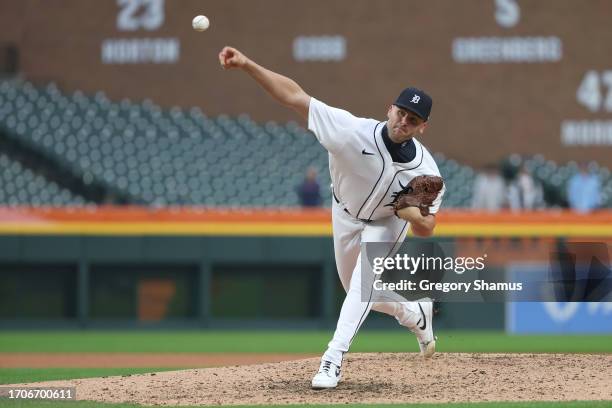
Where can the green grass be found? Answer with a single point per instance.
(26, 375)
(289, 342)
(86, 404)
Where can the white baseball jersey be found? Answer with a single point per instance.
(364, 177)
(364, 181)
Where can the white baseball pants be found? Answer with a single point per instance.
(349, 233)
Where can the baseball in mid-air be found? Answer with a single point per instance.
(200, 23)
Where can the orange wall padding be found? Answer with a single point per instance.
(281, 221)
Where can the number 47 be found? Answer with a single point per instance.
(590, 92)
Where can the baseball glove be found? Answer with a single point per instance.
(420, 192)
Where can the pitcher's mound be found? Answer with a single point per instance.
(369, 378)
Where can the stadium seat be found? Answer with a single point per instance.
(182, 157)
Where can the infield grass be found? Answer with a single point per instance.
(192, 341)
(27, 375)
(87, 404)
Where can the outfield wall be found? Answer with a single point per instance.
(134, 267)
(511, 76)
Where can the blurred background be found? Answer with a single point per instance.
(141, 186)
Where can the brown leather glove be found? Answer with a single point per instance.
(420, 192)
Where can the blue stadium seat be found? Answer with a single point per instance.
(183, 157)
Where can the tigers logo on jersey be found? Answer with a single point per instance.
(395, 195)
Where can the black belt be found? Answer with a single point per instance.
(347, 211)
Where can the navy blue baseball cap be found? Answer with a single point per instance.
(415, 100)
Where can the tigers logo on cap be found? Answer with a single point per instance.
(416, 101)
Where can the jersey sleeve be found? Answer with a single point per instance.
(333, 127)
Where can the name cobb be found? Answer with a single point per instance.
(446, 287)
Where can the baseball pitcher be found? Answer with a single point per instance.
(384, 181)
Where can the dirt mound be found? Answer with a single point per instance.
(369, 378)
